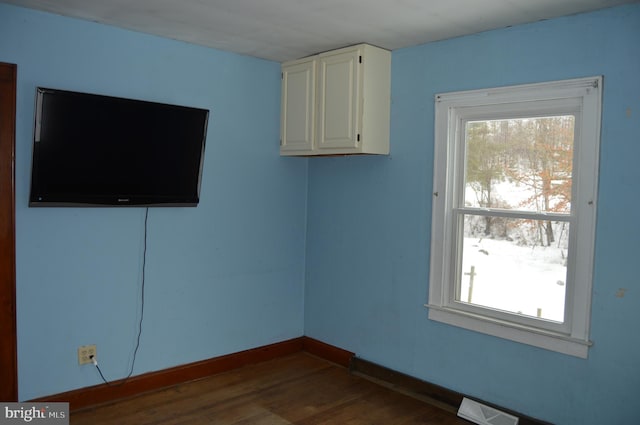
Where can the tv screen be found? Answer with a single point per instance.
(94, 150)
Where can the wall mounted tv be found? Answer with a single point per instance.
(94, 150)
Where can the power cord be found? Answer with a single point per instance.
(95, 363)
(142, 287)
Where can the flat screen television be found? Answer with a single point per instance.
(95, 150)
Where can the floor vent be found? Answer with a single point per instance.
(484, 415)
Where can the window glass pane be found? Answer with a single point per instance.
(521, 267)
(523, 164)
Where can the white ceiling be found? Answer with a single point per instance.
(280, 30)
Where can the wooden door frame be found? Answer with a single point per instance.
(8, 332)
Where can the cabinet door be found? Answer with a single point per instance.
(297, 126)
(339, 100)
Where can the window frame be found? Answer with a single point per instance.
(582, 97)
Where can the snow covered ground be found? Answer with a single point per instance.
(517, 279)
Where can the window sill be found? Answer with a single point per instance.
(511, 331)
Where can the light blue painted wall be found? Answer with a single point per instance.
(369, 226)
(223, 277)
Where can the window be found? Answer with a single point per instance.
(514, 206)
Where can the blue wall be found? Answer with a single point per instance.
(369, 227)
(223, 277)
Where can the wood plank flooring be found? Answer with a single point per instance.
(297, 389)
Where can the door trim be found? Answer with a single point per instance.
(8, 333)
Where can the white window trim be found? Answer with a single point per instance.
(584, 95)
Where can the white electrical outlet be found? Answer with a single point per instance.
(85, 353)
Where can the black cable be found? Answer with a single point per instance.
(142, 286)
(144, 268)
(101, 375)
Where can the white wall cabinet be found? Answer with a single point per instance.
(337, 103)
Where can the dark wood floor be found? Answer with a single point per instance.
(297, 389)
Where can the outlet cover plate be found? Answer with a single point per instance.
(85, 352)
